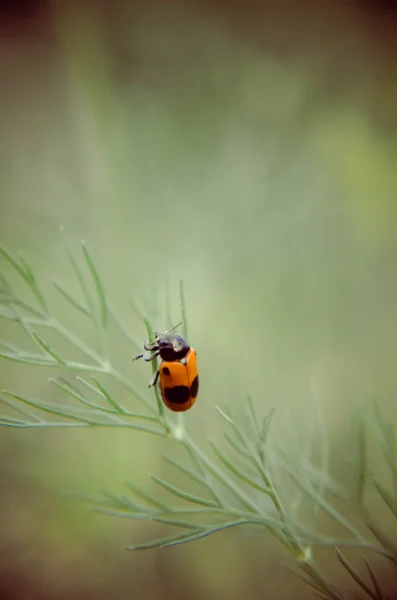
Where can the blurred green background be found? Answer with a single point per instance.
(250, 150)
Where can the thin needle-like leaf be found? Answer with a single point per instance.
(46, 361)
(111, 505)
(355, 575)
(48, 408)
(121, 514)
(387, 497)
(182, 494)
(25, 271)
(47, 348)
(10, 347)
(78, 423)
(86, 498)
(388, 442)
(91, 387)
(205, 533)
(384, 540)
(184, 537)
(315, 476)
(31, 280)
(213, 468)
(375, 583)
(65, 386)
(11, 422)
(147, 497)
(237, 471)
(109, 500)
(126, 413)
(70, 299)
(14, 263)
(159, 543)
(124, 503)
(240, 436)
(29, 358)
(11, 300)
(83, 285)
(23, 411)
(98, 285)
(190, 473)
(327, 508)
(178, 523)
(115, 501)
(314, 574)
(112, 401)
(46, 424)
(6, 286)
(254, 417)
(133, 390)
(5, 313)
(22, 322)
(237, 447)
(307, 581)
(361, 460)
(214, 490)
(266, 425)
(160, 405)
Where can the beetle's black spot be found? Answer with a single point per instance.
(194, 387)
(166, 371)
(180, 394)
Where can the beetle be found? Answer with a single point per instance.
(177, 372)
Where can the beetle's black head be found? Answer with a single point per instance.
(172, 347)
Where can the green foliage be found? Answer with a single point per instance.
(239, 479)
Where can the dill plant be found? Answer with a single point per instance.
(237, 478)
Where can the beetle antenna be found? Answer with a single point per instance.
(157, 334)
(175, 327)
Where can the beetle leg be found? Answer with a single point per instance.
(145, 357)
(152, 357)
(154, 379)
(151, 346)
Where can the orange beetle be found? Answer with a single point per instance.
(178, 374)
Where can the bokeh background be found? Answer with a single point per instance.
(248, 148)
